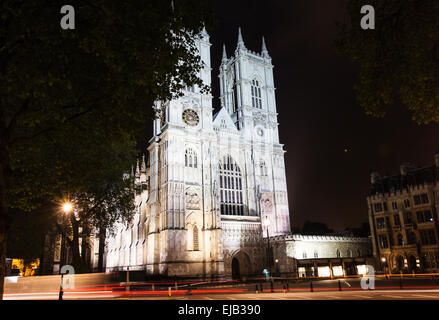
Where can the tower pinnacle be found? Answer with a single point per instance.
(241, 44)
(224, 53)
(264, 48)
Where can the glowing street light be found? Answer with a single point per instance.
(67, 207)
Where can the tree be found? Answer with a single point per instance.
(66, 94)
(26, 234)
(399, 60)
(315, 228)
(362, 231)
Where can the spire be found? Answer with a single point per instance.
(137, 169)
(204, 33)
(143, 168)
(224, 53)
(241, 44)
(264, 49)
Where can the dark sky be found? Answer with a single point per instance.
(318, 114)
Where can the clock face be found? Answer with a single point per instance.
(190, 117)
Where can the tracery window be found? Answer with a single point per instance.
(230, 187)
(256, 94)
(190, 158)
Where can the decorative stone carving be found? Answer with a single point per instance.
(192, 200)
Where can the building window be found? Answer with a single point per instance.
(394, 205)
(381, 223)
(304, 255)
(234, 104)
(190, 89)
(383, 241)
(420, 199)
(316, 255)
(230, 188)
(424, 198)
(349, 253)
(427, 216)
(424, 216)
(338, 253)
(396, 219)
(263, 169)
(420, 216)
(256, 95)
(407, 203)
(408, 218)
(378, 207)
(195, 238)
(400, 240)
(190, 158)
(428, 237)
(411, 237)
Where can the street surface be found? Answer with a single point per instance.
(102, 287)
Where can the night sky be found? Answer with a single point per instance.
(318, 113)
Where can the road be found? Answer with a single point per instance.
(343, 295)
(88, 288)
(339, 295)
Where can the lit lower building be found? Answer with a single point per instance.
(320, 256)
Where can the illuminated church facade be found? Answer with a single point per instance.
(213, 183)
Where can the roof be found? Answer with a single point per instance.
(413, 177)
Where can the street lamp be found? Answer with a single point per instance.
(267, 224)
(384, 264)
(67, 207)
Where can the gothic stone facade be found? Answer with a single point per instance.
(209, 179)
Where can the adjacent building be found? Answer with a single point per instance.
(403, 219)
(321, 256)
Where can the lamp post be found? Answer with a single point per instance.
(384, 265)
(267, 224)
(67, 208)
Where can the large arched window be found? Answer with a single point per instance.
(190, 158)
(230, 187)
(256, 94)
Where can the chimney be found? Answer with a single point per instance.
(404, 168)
(374, 177)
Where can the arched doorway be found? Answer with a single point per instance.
(236, 274)
(412, 264)
(400, 263)
(240, 265)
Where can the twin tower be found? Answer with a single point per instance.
(214, 185)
